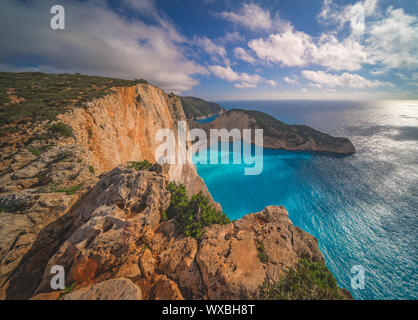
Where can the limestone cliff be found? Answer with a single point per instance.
(43, 173)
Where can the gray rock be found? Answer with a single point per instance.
(113, 289)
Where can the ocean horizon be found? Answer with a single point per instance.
(361, 208)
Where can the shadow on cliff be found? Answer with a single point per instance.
(27, 276)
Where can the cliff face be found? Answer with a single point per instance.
(42, 175)
(278, 135)
(122, 127)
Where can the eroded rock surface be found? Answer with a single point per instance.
(113, 289)
(115, 231)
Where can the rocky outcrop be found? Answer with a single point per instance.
(115, 231)
(278, 135)
(113, 289)
(229, 255)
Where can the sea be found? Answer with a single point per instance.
(362, 208)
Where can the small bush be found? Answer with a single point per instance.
(35, 151)
(140, 165)
(61, 129)
(262, 254)
(192, 214)
(67, 290)
(67, 190)
(91, 169)
(138, 98)
(307, 281)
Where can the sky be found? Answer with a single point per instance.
(224, 50)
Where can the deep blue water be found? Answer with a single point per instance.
(207, 120)
(362, 208)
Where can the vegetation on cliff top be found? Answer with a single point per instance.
(307, 281)
(195, 107)
(35, 96)
(192, 214)
(140, 165)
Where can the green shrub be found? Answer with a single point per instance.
(35, 151)
(262, 254)
(67, 190)
(307, 281)
(91, 169)
(67, 290)
(60, 129)
(138, 98)
(192, 214)
(140, 165)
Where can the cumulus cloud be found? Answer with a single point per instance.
(210, 47)
(96, 41)
(291, 80)
(347, 80)
(290, 48)
(271, 82)
(354, 14)
(242, 80)
(393, 41)
(242, 54)
(250, 16)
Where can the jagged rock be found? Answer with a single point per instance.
(229, 259)
(147, 262)
(166, 289)
(113, 289)
(178, 262)
(108, 225)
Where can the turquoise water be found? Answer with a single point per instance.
(361, 208)
(207, 120)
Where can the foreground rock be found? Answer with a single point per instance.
(115, 231)
(229, 255)
(114, 289)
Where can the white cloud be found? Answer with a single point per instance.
(271, 82)
(250, 16)
(335, 55)
(242, 80)
(210, 47)
(291, 80)
(100, 43)
(355, 14)
(290, 48)
(234, 36)
(245, 85)
(242, 54)
(393, 41)
(347, 80)
(225, 73)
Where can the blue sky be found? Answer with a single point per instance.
(221, 50)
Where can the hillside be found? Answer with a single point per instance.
(38, 96)
(279, 135)
(196, 108)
